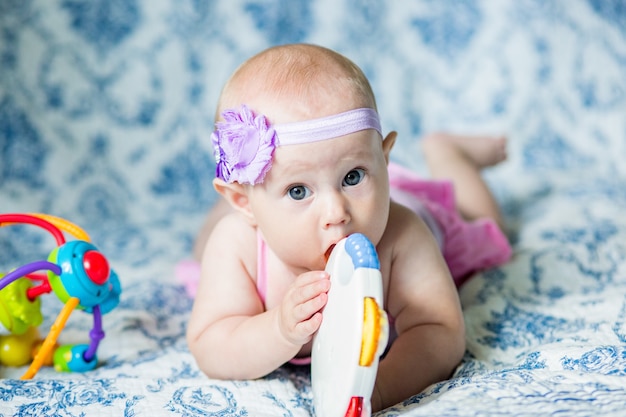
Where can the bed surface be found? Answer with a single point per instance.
(105, 113)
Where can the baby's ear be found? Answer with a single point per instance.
(388, 143)
(236, 195)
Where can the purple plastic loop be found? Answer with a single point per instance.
(24, 270)
(96, 334)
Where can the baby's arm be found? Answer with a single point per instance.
(428, 318)
(229, 333)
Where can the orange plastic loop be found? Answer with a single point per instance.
(50, 342)
(65, 225)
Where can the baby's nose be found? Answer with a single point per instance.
(336, 210)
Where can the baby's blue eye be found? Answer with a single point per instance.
(299, 192)
(353, 177)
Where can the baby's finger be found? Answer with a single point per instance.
(306, 310)
(309, 286)
(307, 328)
(299, 323)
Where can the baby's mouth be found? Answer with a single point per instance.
(329, 251)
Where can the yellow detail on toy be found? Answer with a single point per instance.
(374, 320)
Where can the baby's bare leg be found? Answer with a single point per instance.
(219, 210)
(461, 160)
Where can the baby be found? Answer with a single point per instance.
(301, 164)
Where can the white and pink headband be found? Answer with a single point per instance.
(244, 142)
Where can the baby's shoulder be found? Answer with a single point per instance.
(404, 221)
(405, 231)
(408, 250)
(235, 232)
(234, 222)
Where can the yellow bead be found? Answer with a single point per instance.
(15, 350)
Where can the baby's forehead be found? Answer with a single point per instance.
(362, 145)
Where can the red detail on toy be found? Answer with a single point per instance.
(96, 267)
(355, 408)
(44, 288)
(34, 220)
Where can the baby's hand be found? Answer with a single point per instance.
(300, 315)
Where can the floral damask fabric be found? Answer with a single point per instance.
(106, 113)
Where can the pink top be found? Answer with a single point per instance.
(261, 284)
(261, 266)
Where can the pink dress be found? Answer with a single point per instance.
(467, 247)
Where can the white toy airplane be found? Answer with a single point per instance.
(353, 334)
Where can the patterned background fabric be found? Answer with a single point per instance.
(106, 107)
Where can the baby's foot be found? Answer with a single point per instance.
(482, 151)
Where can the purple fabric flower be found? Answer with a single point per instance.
(244, 144)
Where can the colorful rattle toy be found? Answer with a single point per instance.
(353, 334)
(79, 275)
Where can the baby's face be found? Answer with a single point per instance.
(318, 193)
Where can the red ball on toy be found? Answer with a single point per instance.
(96, 267)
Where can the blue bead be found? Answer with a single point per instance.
(71, 358)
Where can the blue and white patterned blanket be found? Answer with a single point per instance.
(105, 112)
